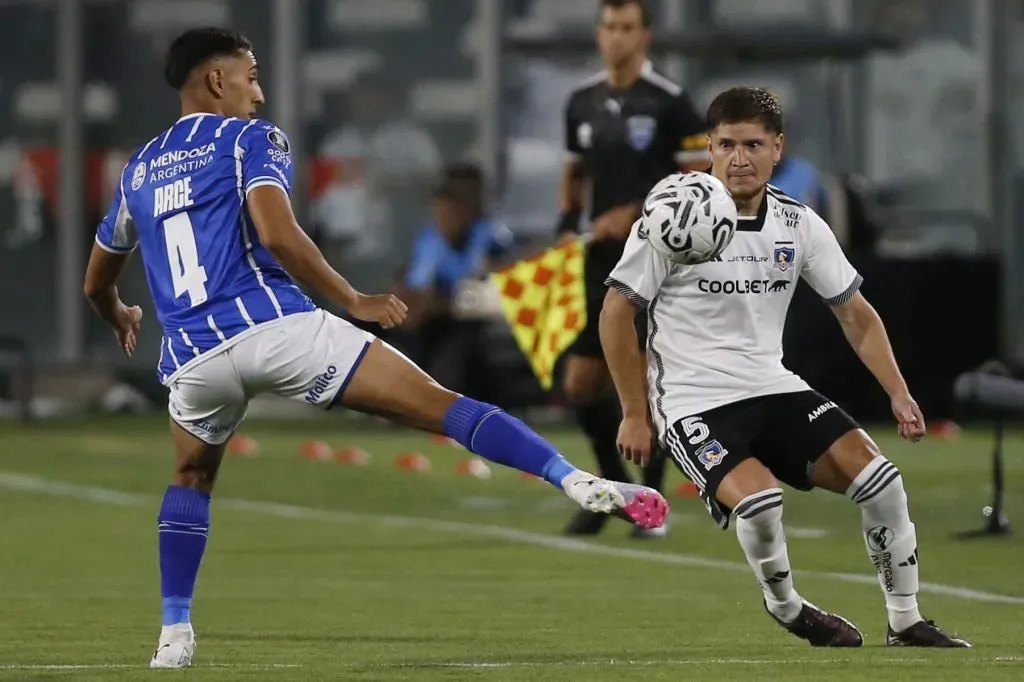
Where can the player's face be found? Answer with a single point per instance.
(743, 156)
(621, 35)
(235, 79)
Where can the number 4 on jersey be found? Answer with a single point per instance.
(187, 275)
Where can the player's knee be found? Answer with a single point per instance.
(747, 480)
(854, 450)
(844, 462)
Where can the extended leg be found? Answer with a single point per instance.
(387, 383)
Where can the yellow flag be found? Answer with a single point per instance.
(544, 301)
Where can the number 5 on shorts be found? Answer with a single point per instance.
(696, 431)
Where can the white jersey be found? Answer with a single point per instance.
(715, 329)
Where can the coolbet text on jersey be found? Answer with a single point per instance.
(182, 199)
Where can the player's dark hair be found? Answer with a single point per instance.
(741, 104)
(645, 12)
(195, 46)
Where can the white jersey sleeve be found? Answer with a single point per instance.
(641, 270)
(826, 267)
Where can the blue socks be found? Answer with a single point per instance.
(490, 432)
(183, 526)
(485, 430)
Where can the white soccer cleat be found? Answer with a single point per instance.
(176, 647)
(635, 503)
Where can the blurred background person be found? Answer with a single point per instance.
(799, 179)
(626, 128)
(460, 242)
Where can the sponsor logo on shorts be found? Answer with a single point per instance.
(211, 428)
(711, 454)
(323, 382)
(820, 410)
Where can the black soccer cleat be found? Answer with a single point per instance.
(925, 633)
(821, 628)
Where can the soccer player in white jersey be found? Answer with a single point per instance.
(208, 202)
(735, 420)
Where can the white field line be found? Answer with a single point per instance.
(20, 482)
(140, 666)
(483, 665)
(623, 662)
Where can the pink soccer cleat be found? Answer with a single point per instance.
(635, 503)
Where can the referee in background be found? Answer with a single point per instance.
(626, 128)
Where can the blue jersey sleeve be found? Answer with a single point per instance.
(266, 157)
(116, 233)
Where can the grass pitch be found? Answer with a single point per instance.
(319, 571)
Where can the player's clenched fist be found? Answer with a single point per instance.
(909, 417)
(635, 439)
(387, 310)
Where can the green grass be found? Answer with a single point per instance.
(354, 581)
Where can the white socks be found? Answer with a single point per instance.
(759, 530)
(890, 538)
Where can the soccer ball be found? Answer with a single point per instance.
(689, 218)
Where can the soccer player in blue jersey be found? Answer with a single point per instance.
(208, 202)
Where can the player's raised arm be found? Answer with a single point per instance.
(266, 171)
(631, 286)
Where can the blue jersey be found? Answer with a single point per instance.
(182, 199)
(437, 264)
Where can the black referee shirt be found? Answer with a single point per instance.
(629, 139)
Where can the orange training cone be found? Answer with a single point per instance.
(316, 451)
(687, 489)
(413, 461)
(244, 446)
(354, 455)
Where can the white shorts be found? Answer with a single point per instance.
(307, 357)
